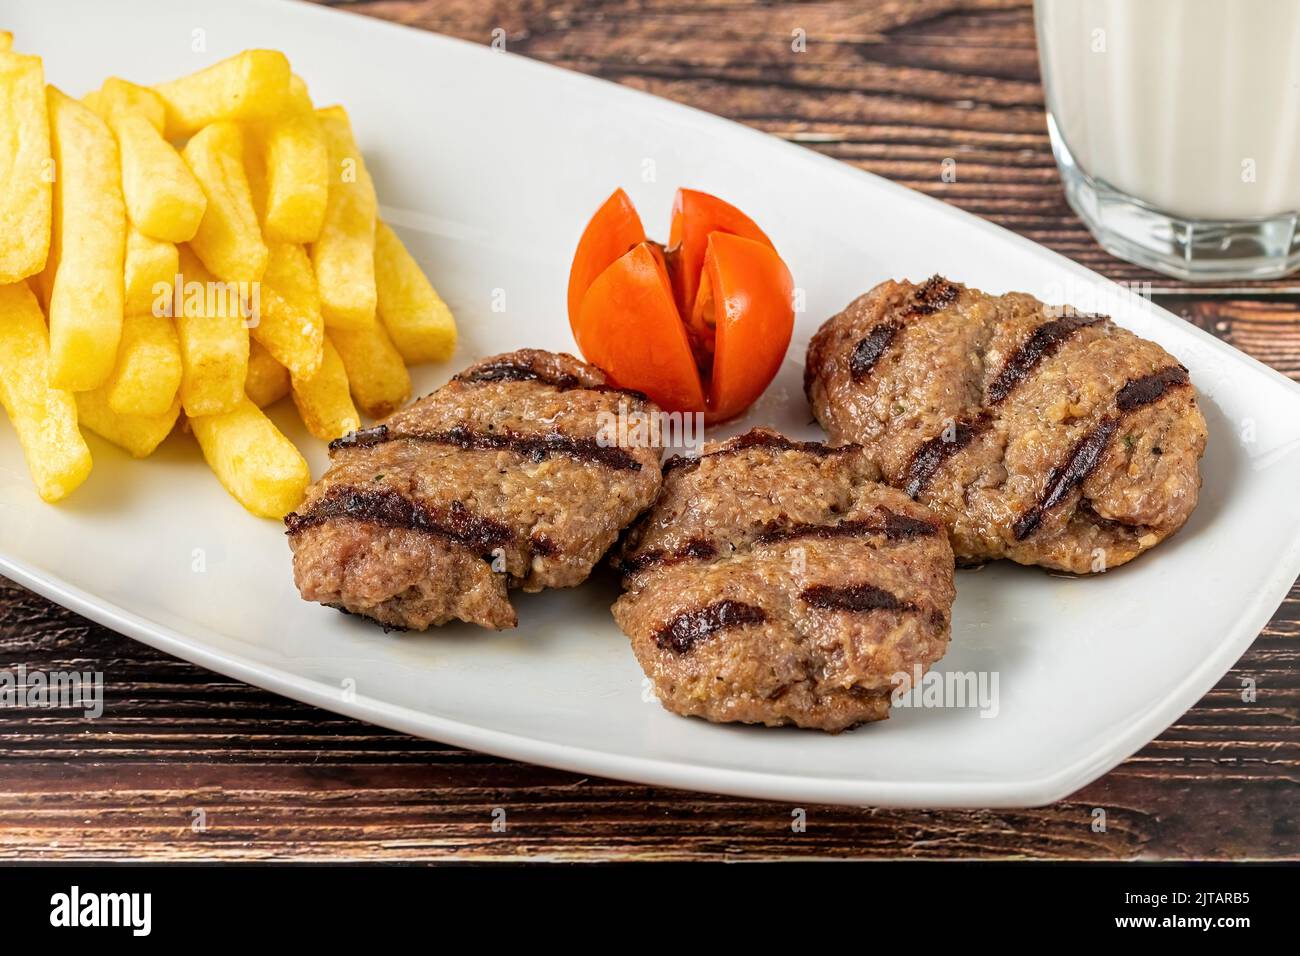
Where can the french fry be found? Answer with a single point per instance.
(267, 381)
(25, 168)
(344, 255)
(88, 247)
(44, 417)
(250, 86)
(376, 374)
(147, 377)
(150, 272)
(229, 238)
(323, 400)
(415, 317)
(6, 40)
(289, 322)
(163, 199)
(297, 176)
(119, 95)
(258, 466)
(213, 339)
(138, 434)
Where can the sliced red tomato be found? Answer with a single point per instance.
(696, 216)
(701, 326)
(612, 231)
(630, 328)
(750, 301)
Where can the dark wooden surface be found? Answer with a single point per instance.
(895, 87)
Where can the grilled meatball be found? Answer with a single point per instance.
(777, 582)
(1044, 436)
(507, 476)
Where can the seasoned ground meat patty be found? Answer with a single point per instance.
(777, 582)
(1044, 436)
(504, 477)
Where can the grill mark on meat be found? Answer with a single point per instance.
(928, 458)
(1042, 343)
(894, 527)
(516, 371)
(870, 348)
(543, 546)
(392, 510)
(687, 629)
(1068, 475)
(361, 438)
(533, 447)
(1150, 388)
(933, 295)
(1088, 450)
(366, 617)
(696, 548)
(858, 598)
(759, 439)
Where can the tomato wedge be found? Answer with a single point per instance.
(632, 331)
(696, 216)
(750, 292)
(612, 231)
(702, 326)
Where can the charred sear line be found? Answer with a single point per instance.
(392, 510)
(759, 439)
(1068, 475)
(533, 447)
(374, 620)
(927, 459)
(1087, 452)
(892, 526)
(1150, 388)
(869, 349)
(687, 629)
(1043, 342)
(542, 546)
(853, 597)
(361, 438)
(934, 295)
(695, 549)
(509, 371)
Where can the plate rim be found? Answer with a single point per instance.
(1014, 791)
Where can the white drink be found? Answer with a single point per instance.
(1190, 106)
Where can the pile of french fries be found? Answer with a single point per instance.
(194, 251)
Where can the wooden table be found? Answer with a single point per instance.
(895, 87)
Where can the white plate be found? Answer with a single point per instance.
(491, 164)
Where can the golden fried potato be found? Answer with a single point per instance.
(417, 320)
(344, 255)
(138, 434)
(214, 340)
(163, 199)
(229, 239)
(151, 267)
(250, 86)
(376, 373)
(44, 417)
(118, 95)
(267, 381)
(147, 377)
(88, 247)
(289, 323)
(258, 466)
(26, 170)
(297, 178)
(6, 40)
(324, 401)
